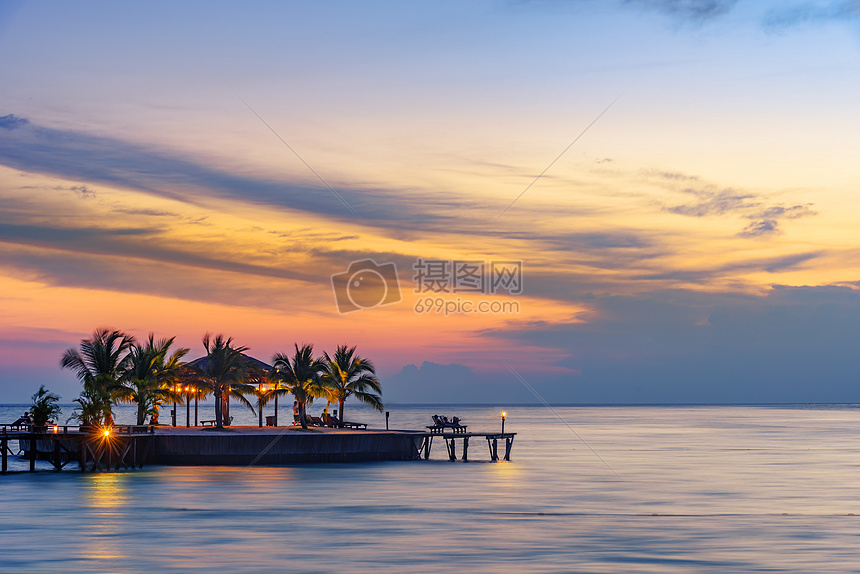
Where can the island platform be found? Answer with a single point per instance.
(127, 447)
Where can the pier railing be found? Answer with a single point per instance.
(10, 429)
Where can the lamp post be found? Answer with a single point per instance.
(187, 407)
(504, 415)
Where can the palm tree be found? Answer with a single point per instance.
(223, 371)
(346, 374)
(149, 376)
(99, 365)
(88, 412)
(44, 407)
(300, 376)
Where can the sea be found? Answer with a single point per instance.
(591, 489)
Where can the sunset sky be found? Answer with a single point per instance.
(698, 243)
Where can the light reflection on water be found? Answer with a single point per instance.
(701, 489)
(104, 514)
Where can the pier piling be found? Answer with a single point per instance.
(451, 439)
(61, 445)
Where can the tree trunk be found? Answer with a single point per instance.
(276, 410)
(219, 421)
(302, 416)
(340, 424)
(141, 413)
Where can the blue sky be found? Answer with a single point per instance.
(697, 243)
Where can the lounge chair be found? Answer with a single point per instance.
(335, 422)
(329, 420)
(22, 421)
(350, 425)
(444, 422)
(441, 424)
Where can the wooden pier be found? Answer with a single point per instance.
(95, 449)
(453, 435)
(129, 447)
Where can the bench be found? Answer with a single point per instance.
(208, 423)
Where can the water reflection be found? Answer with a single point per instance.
(105, 515)
(106, 492)
(704, 489)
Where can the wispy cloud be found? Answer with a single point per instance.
(570, 256)
(715, 202)
(11, 122)
(710, 274)
(145, 211)
(144, 260)
(793, 15)
(79, 156)
(711, 201)
(694, 10)
(84, 192)
(760, 228)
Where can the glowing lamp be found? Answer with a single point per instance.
(107, 433)
(56, 429)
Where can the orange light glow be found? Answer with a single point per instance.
(107, 433)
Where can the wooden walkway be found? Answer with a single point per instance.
(125, 446)
(452, 436)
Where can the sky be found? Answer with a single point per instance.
(672, 184)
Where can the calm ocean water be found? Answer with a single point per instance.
(682, 489)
